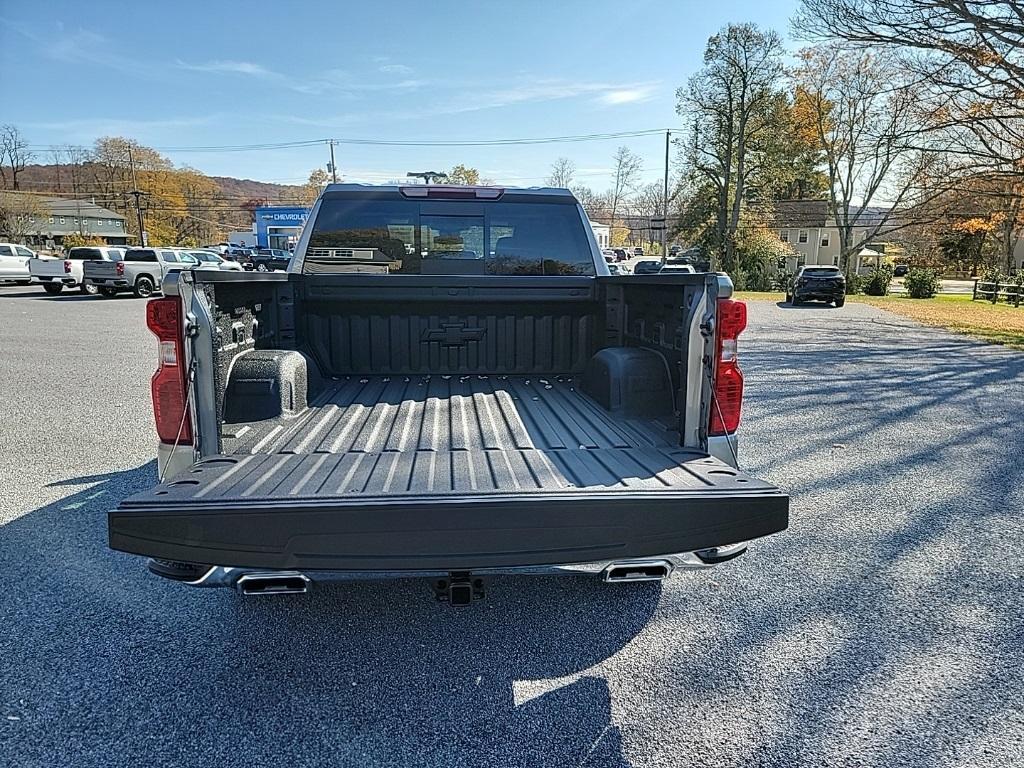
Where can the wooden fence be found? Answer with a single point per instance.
(993, 291)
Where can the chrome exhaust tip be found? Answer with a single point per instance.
(282, 583)
(638, 570)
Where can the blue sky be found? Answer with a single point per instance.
(188, 74)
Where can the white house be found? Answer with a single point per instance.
(603, 234)
(809, 229)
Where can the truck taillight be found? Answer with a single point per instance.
(170, 382)
(725, 411)
(67, 267)
(119, 267)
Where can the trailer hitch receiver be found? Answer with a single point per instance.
(460, 589)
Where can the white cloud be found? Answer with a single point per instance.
(632, 95)
(552, 90)
(233, 67)
(395, 69)
(113, 126)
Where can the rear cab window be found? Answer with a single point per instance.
(389, 234)
(85, 254)
(140, 254)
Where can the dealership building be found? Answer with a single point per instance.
(279, 226)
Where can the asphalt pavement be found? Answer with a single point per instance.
(884, 628)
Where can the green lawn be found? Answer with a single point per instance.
(995, 323)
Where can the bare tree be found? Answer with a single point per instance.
(648, 204)
(21, 215)
(728, 103)
(627, 168)
(867, 124)
(562, 172)
(76, 158)
(967, 56)
(15, 152)
(595, 204)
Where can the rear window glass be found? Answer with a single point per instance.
(76, 254)
(821, 271)
(140, 254)
(448, 238)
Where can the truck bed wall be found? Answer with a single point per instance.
(392, 324)
(454, 326)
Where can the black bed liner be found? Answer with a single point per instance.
(448, 472)
(379, 414)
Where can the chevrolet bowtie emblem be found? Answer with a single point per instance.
(453, 334)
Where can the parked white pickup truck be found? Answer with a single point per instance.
(140, 270)
(57, 274)
(14, 260)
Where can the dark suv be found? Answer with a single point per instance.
(270, 259)
(817, 283)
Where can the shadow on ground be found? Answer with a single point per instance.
(70, 294)
(107, 664)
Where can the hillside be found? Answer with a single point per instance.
(238, 189)
(57, 180)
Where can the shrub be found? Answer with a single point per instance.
(760, 281)
(921, 283)
(854, 284)
(75, 240)
(878, 281)
(992, 275)
(781, 281)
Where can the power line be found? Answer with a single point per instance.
(390, 143)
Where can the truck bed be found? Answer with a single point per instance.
(447, 434)
(447, 472)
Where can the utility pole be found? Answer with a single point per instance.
(137, 194)
(334, 168)
(664, 204)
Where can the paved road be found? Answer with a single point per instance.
(883, 629)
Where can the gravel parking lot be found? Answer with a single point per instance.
(882, 629)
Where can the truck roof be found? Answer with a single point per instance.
(449, 191)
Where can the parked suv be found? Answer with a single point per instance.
(270, 259)
(649, 267)
(817, 283)
(142, 270)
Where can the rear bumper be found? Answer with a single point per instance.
(62, 279)
(217, 576)
(420, 534)
(108, 282)
(820, 295)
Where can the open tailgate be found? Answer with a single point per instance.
(446, 510)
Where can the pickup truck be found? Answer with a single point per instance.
(490, 400)
(14, 261)
(57, 274)
(141, 271)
